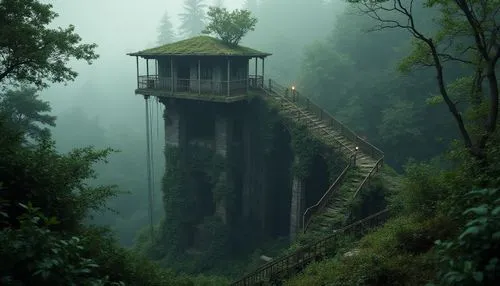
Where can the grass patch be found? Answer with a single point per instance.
(201, 46)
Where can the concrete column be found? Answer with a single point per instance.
(221, 138)
(297, 207)
(172, 125)
(220, 206)
(248, 175)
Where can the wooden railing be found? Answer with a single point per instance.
(256, 81)
(202, 86)
(294, 262)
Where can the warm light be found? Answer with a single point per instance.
(293, 87)
(357, 148)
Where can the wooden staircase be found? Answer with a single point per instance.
(322, 218)
(363, 158)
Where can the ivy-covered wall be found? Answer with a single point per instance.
(222, 205)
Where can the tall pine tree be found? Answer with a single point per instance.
(165, 30)
(192, 20)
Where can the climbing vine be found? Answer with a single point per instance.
(196, 172)
(185, 212)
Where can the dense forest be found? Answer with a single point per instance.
(421, 84)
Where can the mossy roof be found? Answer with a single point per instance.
(200, 46)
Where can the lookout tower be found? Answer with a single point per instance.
(205, 86)
(202, 68)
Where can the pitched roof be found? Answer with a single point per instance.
(200, 46)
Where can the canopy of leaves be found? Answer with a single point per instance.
(33, 53)
(25, 112)
(231, 27)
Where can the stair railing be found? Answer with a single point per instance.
(282, 92)
(323, 201)
(326, 117)
(295, 98)
(316, 251)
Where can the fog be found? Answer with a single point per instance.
(322, 49)
(319, 46)
(100, 108)
(106, 88)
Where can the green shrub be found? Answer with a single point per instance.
(472, 258)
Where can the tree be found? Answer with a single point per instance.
(192, 20)
(165, 30)
(468, 34)
(31, 52)
(231, 27)
(24, 111)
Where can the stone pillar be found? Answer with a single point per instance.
(221, 148)
(221, 130)
(248, 175)
(172, 124)
(297, 207)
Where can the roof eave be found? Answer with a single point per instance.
(139, 54)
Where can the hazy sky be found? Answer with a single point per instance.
(117, 27)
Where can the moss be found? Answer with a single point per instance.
(389, 256)
(201, 46)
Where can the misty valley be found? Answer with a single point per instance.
(249, 142)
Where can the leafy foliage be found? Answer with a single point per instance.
(34, 255)
(31, 52)
(466, 34)
(231, 27)
(472, 257)
(24, 111)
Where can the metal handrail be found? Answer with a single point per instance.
(344, 130)
(375, 168)
(305, 115)
(306, 217)
(304, 254)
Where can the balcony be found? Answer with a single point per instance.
(208, 90)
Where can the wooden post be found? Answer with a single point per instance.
(247, 77)
(147, 73)
(137, 62)
(199, 77)
(156, 68)
(263, 71)
(172, 74)
(256, 81)
(228, 76)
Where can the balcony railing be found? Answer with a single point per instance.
(222, 88)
